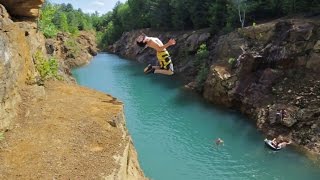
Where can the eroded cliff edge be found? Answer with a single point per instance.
(258, 69)
(58, 129)
(68, 132)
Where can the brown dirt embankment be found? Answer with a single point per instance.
(68, 132)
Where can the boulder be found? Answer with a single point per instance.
(4, 17)
(314, 62)
(218, 85)
(259, 33)
(301, 31)
(23, 8)
(228, 46)
(195, 40)
(288, 121)
(316, 47)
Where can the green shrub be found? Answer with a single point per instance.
(47, 68)
(200, 63)
(232, 62)
(201, 56)
(72, 45)
(50, 31)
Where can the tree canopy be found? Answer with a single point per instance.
(219, 15)
(191, 14)
(63, 17)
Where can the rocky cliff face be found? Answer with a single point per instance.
(23, 8)
(275, 68)
(15, 66)
(258, 69)
(73, 51)
(58, 130)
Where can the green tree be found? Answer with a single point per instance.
(160, 14)
(123, 16)
(47, 15)
(181, 18)
(199, 12)
(217, 15)
(169, 15)
(66, 7)
(96, 21)
(73, 22)
(139, 13)
(61, 22)
(108, 37)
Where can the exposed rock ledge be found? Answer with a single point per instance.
(23, 8)
(68, 132)
(73, 51)
(279, 69)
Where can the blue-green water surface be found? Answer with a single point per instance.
(174, 130)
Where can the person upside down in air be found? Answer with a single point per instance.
(164, 59)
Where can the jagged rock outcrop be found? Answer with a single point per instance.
(275, 68)
(23, 8)
(73, 51)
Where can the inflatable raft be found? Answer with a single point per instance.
(270, 145)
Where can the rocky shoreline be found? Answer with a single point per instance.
(259, 70)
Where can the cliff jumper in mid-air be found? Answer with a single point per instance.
(164, 59)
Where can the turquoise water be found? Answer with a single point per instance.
(174, 130)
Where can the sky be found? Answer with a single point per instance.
(102, 6)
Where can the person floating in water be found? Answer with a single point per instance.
(274, 142)
(165, 63)
(284, 144)
(219, 141)
(280, 143)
